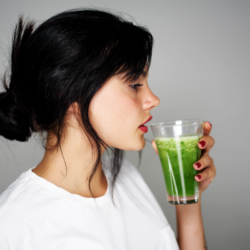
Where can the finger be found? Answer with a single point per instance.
(204, 162)
(207, 127)
(207, 174)
(154, 146)
(206, 143)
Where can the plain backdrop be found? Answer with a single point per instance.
(200, 69)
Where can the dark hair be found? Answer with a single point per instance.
(67, 59)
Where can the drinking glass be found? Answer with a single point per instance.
(177, 145)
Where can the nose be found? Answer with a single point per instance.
(152, 101)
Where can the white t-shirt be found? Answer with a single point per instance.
(35, 214)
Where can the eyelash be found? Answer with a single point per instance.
(135, 86)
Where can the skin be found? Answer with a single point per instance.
(115, 112)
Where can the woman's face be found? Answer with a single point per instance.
(117, 110)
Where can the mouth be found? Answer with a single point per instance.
(150, 118)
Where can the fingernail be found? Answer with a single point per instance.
(198, 165)
(202, 143)
(199, 176)
(210, 124)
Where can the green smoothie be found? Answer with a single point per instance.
(177, 156)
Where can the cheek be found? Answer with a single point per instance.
(114, 115)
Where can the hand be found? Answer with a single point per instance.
(207, 168)
(206, 163)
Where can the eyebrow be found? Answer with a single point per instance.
(143, 74)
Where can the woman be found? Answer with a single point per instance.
(80, 81)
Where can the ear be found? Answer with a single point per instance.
(74, 107)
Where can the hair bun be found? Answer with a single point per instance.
(13, 125)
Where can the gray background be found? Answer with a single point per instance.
(200, 69)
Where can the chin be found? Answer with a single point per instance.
(139, 145)
(136, 144)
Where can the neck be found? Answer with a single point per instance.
(74, 175)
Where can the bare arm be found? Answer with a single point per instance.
(190, 227)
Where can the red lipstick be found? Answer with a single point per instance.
(145, 128)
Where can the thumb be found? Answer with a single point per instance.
(154, 146)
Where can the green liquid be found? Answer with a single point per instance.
(177, 156)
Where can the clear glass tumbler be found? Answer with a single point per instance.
(177, 145)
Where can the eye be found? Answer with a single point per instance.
(135, 86)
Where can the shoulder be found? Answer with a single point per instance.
(12, 193)
(14, 203)
(13, 196)
(20, 200)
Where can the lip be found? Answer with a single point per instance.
(150, 118)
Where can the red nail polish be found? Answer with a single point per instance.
(202, 143)
(198, 165)
(199, 176)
